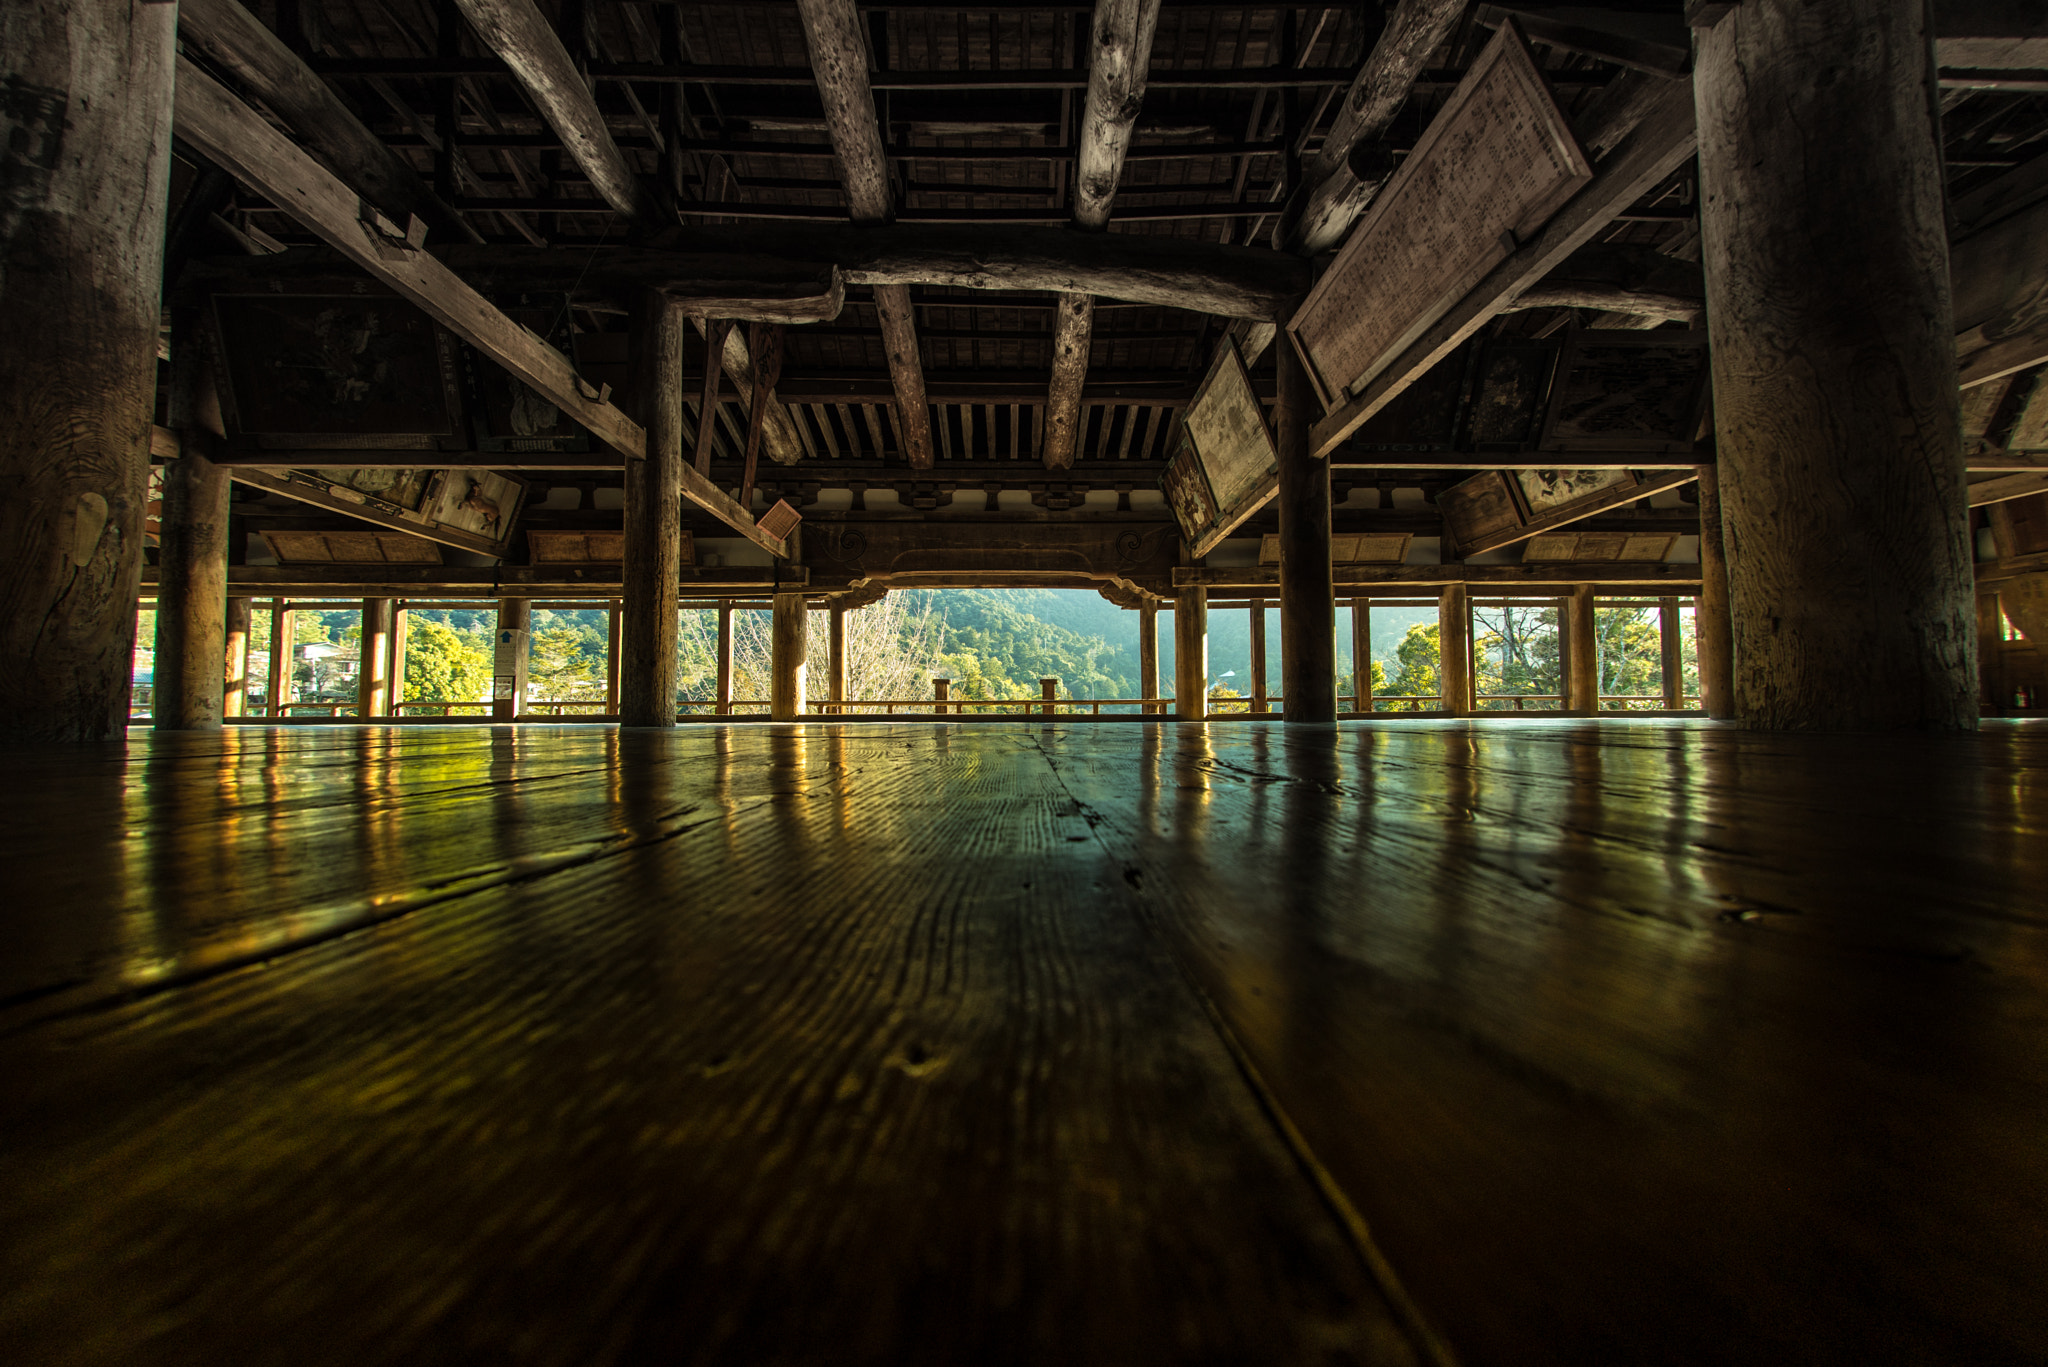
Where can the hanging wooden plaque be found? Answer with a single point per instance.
(1495, 164)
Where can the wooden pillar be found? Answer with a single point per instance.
(1308, 595)
(235, 675)
(1260, 704)
(1833, 352)
(192, 559)
(940, 688)
(81, 261)
(724, 657)
(836, 679)
(653, 567)
(280, 658)
(611, 660)
(508, 668)
(788, 649)
(1993, 698)
(1454, 654)
(1148, 656)
(1582, 645)
(398, 631)
(373, 680)
(1191, 653)
(1049, 691)
(1713, 632)
(1670, 646)
(1361, 654)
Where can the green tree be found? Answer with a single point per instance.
(444, 665)
(1421, 667)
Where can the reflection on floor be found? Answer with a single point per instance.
(1511, 1042)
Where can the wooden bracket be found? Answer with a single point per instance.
(764, 342)
(392, 242)
(715, 331)
(1707, 13)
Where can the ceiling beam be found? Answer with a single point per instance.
(238, 42)
(839, 58)
(1336, 191)
(235, 138)
(1120, 56)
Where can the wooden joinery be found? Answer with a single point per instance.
(1454, 655)
(1191, 653)
(237, 42)
(764, 341)
(1834, 373)
(832, 31)
(1340, 183)
(88, 108)
(650, 572)
(788, 655)
(1120, 53)
(192, 556)
(715, 331)
(1308, 600)
(519, 33)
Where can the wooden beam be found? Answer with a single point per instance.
(1336, 193)
(518, 32)
(1999, 283)
(235, 40)
(1120, 55)
(226, 130)
(1580, 511)
(832, 31)
(1542, 577)
(1659, 144)
(2007, 488)
(1308, 627)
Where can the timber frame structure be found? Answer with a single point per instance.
(958, 273)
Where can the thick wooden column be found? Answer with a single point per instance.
(1454, 653)
(1992, 697)
(1361, 654)
(235, 675)
(399, 621)
(1308, 595)
(515, 615)
(1671, 665)
(279, 680)
(1260, 704)
(836, 678)
(724, 706)
(654, 522)
(373, 678)
(1191, 653)
(1582, 653)
(1713, 632)
(1834, 367)
(192, 556)
(88, 114)
(1148, 656)
(788, 651)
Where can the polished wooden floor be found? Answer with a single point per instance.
(1535, 1042)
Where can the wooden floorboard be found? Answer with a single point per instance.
(1617, 1042)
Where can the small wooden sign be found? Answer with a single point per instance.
(1350, 548)
(1227, 464)
(1478, 508)
(1634, 547)
(1628, 391)
(1495, 164)
(351, 548)
(1186, 487)
(589, 548)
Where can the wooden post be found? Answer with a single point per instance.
(1148, 657)
(280, 658)
(1259, 700)
(1713, 632)
(1993, 698)
(515, 630)
(836, 678)
(1834, 367)
(235, 677)
(373, 683)
(192, 562)
(788, 649)
(86, 165)
(1361, 654)
(1582, 645)
(724, 707)
(1049, 690)
(611, 659)
(1670, 645)
(940, 689)
(1454, 650)
(398, 631)
(1191, 653)
(1308, 595)
(653, 566)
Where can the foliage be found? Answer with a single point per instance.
(445, 665)
(1421, 668)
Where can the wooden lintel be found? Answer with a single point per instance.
(1492, 577)
(2008, 487)
(229, 132)
(1449, 461)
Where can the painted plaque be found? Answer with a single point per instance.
(1425, 415)
(472, 509)
(1187, 492)
(1495, 164)
(1227, 428)
(1549, 491)
(354, 366)
(1479, 507)
(1508, 398)
(510, 414)
(1628, 391)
